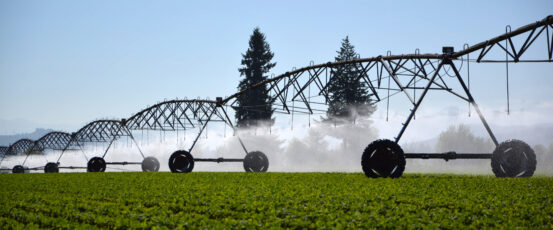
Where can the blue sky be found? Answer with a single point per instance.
(64, 63)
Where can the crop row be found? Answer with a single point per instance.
(250, 200)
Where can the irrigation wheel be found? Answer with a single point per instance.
(18, 169)
(383, 158)
(96, 164)
(51, 167)
(181, 161)
(513, 158)
(256, 161)
(150, 164)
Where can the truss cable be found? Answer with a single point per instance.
(466, 46)
(507, 31)
(309, 101)
(417, 51)
(183, 137)
(388, 53)
(293, 109)
(326, 79)
(388, 100)
(414, 96)
(84, 154)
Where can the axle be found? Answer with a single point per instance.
(219, 160)
(449, 155)
(71, 167)
(123, 163)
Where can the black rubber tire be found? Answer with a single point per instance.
(96, 164)
(181, 161)
(51, 167)
(513, 158)
(383, 158)
(150, 164)
(256, 161)
(18, 169)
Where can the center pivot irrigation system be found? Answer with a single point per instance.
(291, 93)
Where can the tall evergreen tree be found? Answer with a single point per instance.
(255, 107)
(348, 97)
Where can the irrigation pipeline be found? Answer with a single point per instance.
(175, 115)
(483, 46)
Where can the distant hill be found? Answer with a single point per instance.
(531, 134)
(6, 140)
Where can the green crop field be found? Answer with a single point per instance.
(268, 200)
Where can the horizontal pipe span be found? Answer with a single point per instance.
(25, 169)
(42, 168)
(449, 155)
(218, 160)
(512, 61)
(334, 64)
(35, 168)
(124, 163)
(546, 21)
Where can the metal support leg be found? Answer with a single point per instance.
(27, 156)
(107, 149)
(201, 130)
(135, 143)
(418, 102)
(471, 100)
(229, 122)
(84, 154)
(67, 146)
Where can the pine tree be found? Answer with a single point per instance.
(254, 106)
(348, 97)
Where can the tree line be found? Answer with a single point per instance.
(348, 97)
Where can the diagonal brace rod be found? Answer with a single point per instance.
(234, 130)
(471, 100)
(418, 102)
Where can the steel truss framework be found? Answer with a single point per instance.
(3, 150)
(53, 141)
(291, 93)
(177, 115)
(50, 141)
(18, 148)
(404, 72)
(99, 131)
(528, 33)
